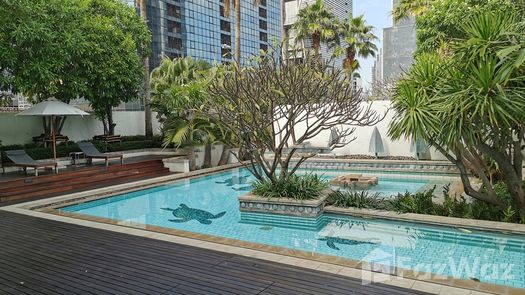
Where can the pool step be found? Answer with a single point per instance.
(87, 178)
(267, 221)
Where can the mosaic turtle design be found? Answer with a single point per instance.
(331, 241)
(185, 214)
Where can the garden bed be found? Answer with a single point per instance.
(286, 206)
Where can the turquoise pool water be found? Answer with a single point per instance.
(209, 205)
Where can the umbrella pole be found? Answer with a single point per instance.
(53, 139)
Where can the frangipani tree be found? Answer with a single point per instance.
(470, 104)
(261, 104)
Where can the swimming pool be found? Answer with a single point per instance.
(209, 205)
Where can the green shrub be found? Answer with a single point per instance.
(299, 187)
(356, 199)
(454, 207)
(420, 202)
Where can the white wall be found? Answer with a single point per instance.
(362, 134)
(21, 129)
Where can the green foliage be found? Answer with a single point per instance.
(453, 207)
(468, 101)
(438, 22)
(357, 40)
(70, 48)
(112, 68)
(356, 199)
(420, 202)
(299, 187)
(316, 21)
(179, 85)
(179, 93)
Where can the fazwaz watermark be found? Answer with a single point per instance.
(381, 266)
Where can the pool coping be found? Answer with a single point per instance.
(399, 277)
(475, 224)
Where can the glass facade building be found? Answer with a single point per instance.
(199, 28)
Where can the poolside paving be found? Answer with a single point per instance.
(41, 256)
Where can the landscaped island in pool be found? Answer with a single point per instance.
(209, 205)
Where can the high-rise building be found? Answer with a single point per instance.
(340, 8)
(399, 45)
(377, 68)
(199, 28)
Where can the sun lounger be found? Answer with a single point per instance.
(21, 159)
(91, 152)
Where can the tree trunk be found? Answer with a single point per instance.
(348, 63)
(191, 158)
(105, 125)
(283, 30)
(146, 99)
(316, 43)
(111, 124)
(224, 155)
(207, 156)
(237, 53)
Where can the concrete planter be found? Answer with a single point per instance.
(285, 206)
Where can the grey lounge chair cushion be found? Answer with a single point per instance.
(91, 151)
(20, 157)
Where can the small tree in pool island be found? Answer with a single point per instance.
(262, 105)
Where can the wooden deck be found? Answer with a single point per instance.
(40, 256)
(13, 190)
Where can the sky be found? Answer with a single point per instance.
(377, 14)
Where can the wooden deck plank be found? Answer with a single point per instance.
(52, 257)
(207, 274)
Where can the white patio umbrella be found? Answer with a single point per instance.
(376, 143)
(52, 108)
(419, 147)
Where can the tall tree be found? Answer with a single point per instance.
(145, 61)
(178, 94)
(71, 48)
(113, 70)
(469, 104)
(260, 104)
(358, 39)
(409, 8)
(315, 21)
(40, 42)
(237, 25)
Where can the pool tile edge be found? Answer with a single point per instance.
(494, 226)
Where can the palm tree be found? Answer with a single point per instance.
(409, 8)
(315, 21)
(237, 21)
(146, 100)
(358, 38)
(188, 132)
